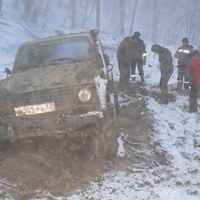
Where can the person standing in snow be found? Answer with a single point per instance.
(194, 80)
(166, 68)
(183, 54)
(124, 61)
(138, 56)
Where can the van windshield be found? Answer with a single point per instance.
(42, 54)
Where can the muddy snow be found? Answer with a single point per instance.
(158, 158)
(62, 166)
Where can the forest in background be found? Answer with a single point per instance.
(160, 21)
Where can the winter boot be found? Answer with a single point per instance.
(179, 85)
(133, 77)
(186, 85)
(142, 79)
(164, 100)
(192, 109)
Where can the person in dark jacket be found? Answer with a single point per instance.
(138, 56)
(166, 68)
(183, 54)
(124, 61)
(194, 81)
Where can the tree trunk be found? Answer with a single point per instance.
(73, 3)
(36, 11)
(59, 3)
(27, 9)
(47, 6)
(133, 16)
(155, 20)
(188, 18)
(122, 16)
(106, 8)
(92, 9)
(16, 4)
(85, 14)
(98, 13)
(114, 14)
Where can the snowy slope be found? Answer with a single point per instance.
(177, 134)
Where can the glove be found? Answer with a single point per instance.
(176, 55)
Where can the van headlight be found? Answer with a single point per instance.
(85, 94)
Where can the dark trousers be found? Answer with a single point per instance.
(193, 98)
(140, 68)
(163, 85)
(124, 69)
(183, 76)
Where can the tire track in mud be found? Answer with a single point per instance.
(135, 123)
(51, 164)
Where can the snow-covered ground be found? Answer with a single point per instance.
(177, 133)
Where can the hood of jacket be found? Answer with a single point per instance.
(157, 48)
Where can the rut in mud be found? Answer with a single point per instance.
(62, 166)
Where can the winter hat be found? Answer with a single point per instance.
(136, 35)
(185, 39)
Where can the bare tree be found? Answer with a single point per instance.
(133, 17)
(60, 2)
(0, 4)
(188, 18)
(15, 5)
(98, 13)
(47, 6)
(85, 14)
(27, 9)
(122, 16)
(36, 10)
(191, 20)
(73, 21)
(114, 13)
(107, 7)
(91, 11)
(155, 21)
